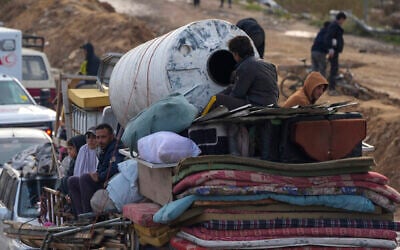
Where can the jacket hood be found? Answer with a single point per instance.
(78, 141)
(89, 49)
(313, 80)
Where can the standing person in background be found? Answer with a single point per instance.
(319, 51)
(229, 3)
(196, 3)
(255, 32)
(335, 43)
(91, 64)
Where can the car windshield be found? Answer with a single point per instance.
(11, 146)
(33, 68)
(12, 93)
(29, 198)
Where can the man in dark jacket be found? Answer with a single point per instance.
(254, 81)
(255, 32)
(81, 189)
(335, 43)
(319, 51)
(91, 64)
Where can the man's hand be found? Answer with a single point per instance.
(331, 52)
(95, 176)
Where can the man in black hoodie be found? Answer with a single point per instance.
(319, 50)
(90, 65)
(335, 43)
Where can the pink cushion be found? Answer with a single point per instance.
(141, 213)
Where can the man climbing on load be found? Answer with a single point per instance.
(253, 81)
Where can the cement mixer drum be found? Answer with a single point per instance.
(192, 60)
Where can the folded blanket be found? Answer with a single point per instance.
(290, 242)
(188, 170)
(315, 166)
(289, 223)
(194, 216)
(259, 178)
(174, 209)
(259, 234)
(326, 188)
(181, 244)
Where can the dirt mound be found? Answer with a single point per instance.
(67, 24)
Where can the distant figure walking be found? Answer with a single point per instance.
(319, 51)
(229, 3)
(255, 32)
(196, 3)
(335, 43)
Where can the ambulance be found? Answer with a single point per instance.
(22, 57)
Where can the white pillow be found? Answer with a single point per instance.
(166, 147)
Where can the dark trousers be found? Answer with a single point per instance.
(334, 61)
(81, 190)
(318, 60)
(222, 3)
(228, 101)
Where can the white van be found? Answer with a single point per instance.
(29, 66)
(37, 77)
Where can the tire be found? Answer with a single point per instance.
(290, 84)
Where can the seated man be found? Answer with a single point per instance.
(122, 189)
(314, 86)
(81, 189)
(254, 80)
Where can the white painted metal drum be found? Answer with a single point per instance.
(193, 60)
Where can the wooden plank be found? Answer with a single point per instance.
(113, 244)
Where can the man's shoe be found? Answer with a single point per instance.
(333, 92)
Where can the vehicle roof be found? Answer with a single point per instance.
(23, 133)
(5, 77)
(28, 52)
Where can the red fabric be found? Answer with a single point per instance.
(259, 234)
(141, 213)
(329, 248)
(257, 177)
(181, 244)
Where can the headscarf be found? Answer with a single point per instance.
(86, 161)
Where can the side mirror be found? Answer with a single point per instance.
(5, 213)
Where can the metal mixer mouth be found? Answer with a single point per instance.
(220, 66)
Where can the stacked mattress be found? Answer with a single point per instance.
(227, 202)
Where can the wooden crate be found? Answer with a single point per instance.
(155, 181)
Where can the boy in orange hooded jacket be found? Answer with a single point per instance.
(314, 86)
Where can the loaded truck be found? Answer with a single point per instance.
(304, 171)
(22, 57)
